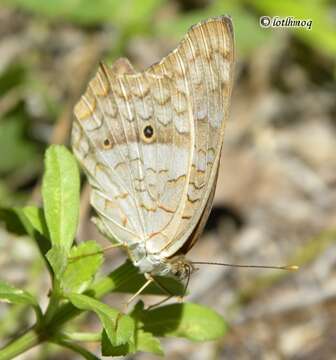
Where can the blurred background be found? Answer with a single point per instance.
(276, 196)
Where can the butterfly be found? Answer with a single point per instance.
(150, 144)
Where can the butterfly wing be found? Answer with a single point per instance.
(201, 73)
(150, 142)
(102, 139)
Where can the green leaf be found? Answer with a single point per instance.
(58, 260)
(37, 220)
(75, 271)
(27, 221)
(83, 263)
(119, 333)
(191, 321)
(108, 349)
(35, 225)
(146, 342)
(13, 295)
(60, 190)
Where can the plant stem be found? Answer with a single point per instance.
(52, 308)
(54, 318)
(25, 342)
(76, 348)
(80, 336)
(58, 314)
(53, 302)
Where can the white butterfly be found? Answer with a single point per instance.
(150, 144)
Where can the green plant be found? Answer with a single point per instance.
(75, 290)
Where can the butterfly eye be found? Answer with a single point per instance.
(178, 274)
(107, 144)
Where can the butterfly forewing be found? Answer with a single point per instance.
(150, 142)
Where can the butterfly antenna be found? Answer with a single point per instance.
(286, 267)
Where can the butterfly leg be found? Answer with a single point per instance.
(170, 295)
(150, 307)
(150, 279)
(143, 287)
(164, 289)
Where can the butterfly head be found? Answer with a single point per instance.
(180, 267)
